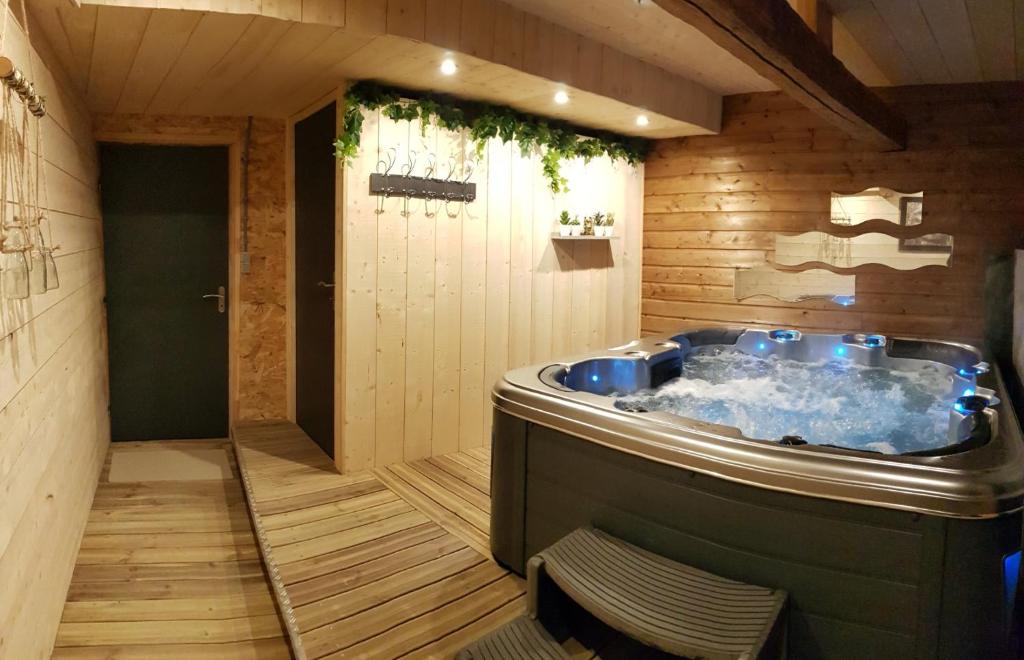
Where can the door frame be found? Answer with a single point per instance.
(336, 96)
(233, 141)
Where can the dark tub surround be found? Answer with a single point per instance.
(903, 554)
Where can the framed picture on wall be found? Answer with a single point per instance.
(911, 210)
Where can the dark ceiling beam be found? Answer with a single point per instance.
(771, 38)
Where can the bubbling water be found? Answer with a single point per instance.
(834, 402)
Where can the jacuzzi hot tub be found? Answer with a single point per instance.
(905, 545)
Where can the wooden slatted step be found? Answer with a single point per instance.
(521, 638)
(670, 606)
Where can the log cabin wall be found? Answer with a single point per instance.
(437, 309)
(713, 204)
(258, 390)
(54, 427)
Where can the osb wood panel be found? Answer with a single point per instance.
(260, 348)
(714, 203)
(437, 309)
(53, 390)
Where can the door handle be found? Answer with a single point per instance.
(325, 285)
(220, 296)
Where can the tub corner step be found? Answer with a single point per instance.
(660, 602)
(524, 637)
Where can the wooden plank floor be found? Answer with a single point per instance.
(378, 565)
(170, 569)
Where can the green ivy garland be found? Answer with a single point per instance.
(554, 140)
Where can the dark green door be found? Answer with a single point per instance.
(165, 237)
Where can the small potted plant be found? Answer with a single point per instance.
(575, 227)
(609, 222)
(564, 224)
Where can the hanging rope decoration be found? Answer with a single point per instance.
(27, 266)
(554, 140)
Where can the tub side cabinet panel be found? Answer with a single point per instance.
(864, 582)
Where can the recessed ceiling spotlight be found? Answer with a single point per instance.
(561, 97)
(448, 67)
(642, 120)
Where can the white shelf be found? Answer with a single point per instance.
(559, 237)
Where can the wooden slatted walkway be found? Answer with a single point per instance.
(170, 569)
(385, 564)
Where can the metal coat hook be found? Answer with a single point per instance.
(448, 210)
(451, 168)
(431, 165)
(410, 164)
(384, 166)
(468, 170)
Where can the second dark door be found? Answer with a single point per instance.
(315, 168)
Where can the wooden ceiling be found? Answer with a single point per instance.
(938, 41)
(646, 31)
(173, 61)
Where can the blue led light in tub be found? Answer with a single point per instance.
(784, 335)
(840, 350)
(761, 346)
(874, 341)
(969, 392)
(1011, 574)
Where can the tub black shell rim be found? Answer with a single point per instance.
(985, 481)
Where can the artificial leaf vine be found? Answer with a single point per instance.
(554, 140)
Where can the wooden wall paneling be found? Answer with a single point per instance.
(245, 55)
(420, 307)
(477, 293)
(366, 16)
(326, 12)
(213, 38)
(340, 282)
(79, 25)
(907, 22)
(442, 22)
(109, 67)
(474, 305)
(993, 28)
(509, 35)
(392, 270)
(165, 32)
(289, 10)
(585, 197)
(951, 28)
(406, 18)
(863, 18)
(632, 258)
(445, 422)
(545, 263)
(694, 239)
(53, 392)
(325, 65)
(561, 296)
(359, 320)
(498, 286)
(477, 32)
(286, 56)
(1018, 28)
(521, 264)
